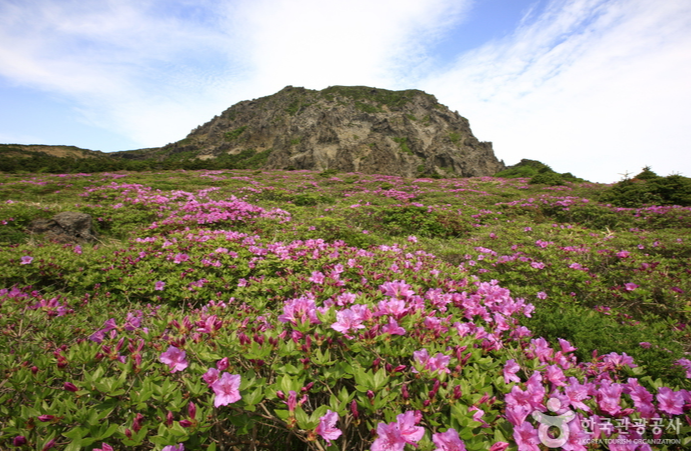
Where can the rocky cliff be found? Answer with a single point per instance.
(358, 129)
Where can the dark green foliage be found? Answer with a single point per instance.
(232, 135)
(309, 199)
(524, 169)
(538, 173)
(403, 143)
(647, 188)
(547, 178)
(589, 330)
(328, 173)
(395, 100)
(412, 220)
(367, 107)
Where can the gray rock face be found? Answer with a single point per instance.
(65, 227)
(350, 129)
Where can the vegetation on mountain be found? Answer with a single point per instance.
(648, 188)
(292, 310)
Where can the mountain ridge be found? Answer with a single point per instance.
(346, 128)
(343, 128)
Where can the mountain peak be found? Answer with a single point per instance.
(347, 128)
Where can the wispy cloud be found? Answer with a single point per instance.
(155, 69)
(591, 86)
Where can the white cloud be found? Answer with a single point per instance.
(589, 86)
(153, 70)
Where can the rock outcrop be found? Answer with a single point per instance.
(66, 227)
(350, 129)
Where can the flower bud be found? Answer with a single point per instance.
(353, 409)
(192, 410)
(69, 386)
(137, 423)
(19, 440)
(222, 364)
(186, 423)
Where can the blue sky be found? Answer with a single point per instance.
(595, 87)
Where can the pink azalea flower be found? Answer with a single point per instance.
(297, 311)
(499, 446)
(541, 295)
(210, 376)
(555, 375)
(317, 277)
(670, 401)
(327, 427)
(396, 289)
(510, 370)
(642, 398)
(178, 447)
(346, 320)
(179, 258)
(393, 328)
(577, 393)
(226, 389)
(174, 358)
(609, 396)
(448, 441)
(388, 438)
(526, 437)
(26, 260)
(406, 424)
(684, 363)
(104, 447)
(159, 286)
(630, 286)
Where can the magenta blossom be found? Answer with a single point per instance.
(347, 320)
(159, 286)
(178, 447)
(406, 424)
(210, 376)
(630, 286)
(526, 437)
(227, 389)
(448, 441)
(393, 328)
(670, 401)
(437, 363)
(686, 364)
(510, 370)
(394, 436)
(298, 311)
(26, 260)
(179, 258)
(327, 427)
(388, 438)
(104, 447)
(174, 358)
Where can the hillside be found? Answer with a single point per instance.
(286, 310)
(349, 129)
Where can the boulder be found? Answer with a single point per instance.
(68, 227)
